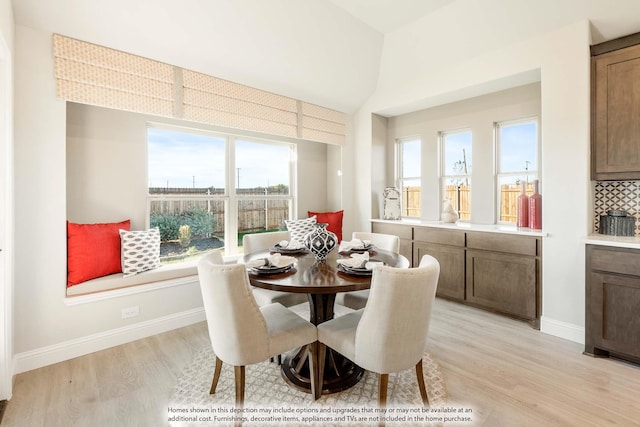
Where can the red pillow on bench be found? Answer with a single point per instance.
(93, 250)
(334, 219)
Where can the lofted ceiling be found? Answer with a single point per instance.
(389, 15)
(327, 52)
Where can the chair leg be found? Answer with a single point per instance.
(421, 385)
(383, 382)
(313, 370)
(216, 375)
(239, 375)
(321, 355)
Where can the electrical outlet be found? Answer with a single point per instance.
(130, 311)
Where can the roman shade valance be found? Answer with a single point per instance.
(208, 99)
(96, 75)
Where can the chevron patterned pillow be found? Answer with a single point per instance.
(140, 251)
(300, 227)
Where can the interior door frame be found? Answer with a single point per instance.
(6, 221)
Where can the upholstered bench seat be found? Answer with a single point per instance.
(117, 281)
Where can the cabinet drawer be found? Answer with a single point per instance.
(402, 231)
(511, 244)
(615, 260)
(442, 237)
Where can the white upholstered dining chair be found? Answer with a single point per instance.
(241, 332)
(390, 334)
(387, 242)
(262, 242)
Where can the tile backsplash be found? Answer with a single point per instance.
(623, 195)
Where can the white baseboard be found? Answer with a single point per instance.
(564, 330)
(49, 355)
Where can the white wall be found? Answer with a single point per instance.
(6, 198)
(561, 60)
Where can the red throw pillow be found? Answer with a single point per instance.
(93, 250)
(334, 219)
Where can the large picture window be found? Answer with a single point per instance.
(207, 190)
(408, 175)
(517, 162)
(263, 190)
(455, 155)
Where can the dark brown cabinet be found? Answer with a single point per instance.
(502, 282)
(612, 323)
(448, 248)
(503, 274)
(494, 271)
(615, 108)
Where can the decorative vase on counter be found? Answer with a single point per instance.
(448, 213)
(535, 208)
(320, 242)
(391, 208)
(523, 206)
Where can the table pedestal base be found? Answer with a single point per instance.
(339, 372)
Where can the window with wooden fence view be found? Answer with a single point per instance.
(408, 161)
(456, 171)
(517, 162)
(189, 200)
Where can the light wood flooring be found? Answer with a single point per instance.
(506, 372)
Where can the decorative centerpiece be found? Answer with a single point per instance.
(320, 242)
(391, 208)
(448, 213)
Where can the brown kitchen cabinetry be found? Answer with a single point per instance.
(612, 324)
(615, 108)
(503, 274)
(499, 272)
(448, 248)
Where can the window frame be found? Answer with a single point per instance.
(443, 177)
(399, 171)
(230, 196)
(498, 174)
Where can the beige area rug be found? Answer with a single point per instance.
(269, 400)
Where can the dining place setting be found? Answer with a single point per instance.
(356, 258)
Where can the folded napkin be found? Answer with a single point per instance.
(354, 244)
(355, 261)
(293, 244)
(275, 260)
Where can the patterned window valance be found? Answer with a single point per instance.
(96, 75)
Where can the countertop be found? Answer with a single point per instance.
(466, 226)
(617, 241)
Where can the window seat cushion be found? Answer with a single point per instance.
(117, 281)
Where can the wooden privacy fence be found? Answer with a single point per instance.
(509, 201)
(253, 214)
(462, 195)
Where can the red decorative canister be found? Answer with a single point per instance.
(535, 208)
(523, 206)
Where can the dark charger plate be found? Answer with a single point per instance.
(266, 269)
(278, 248)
